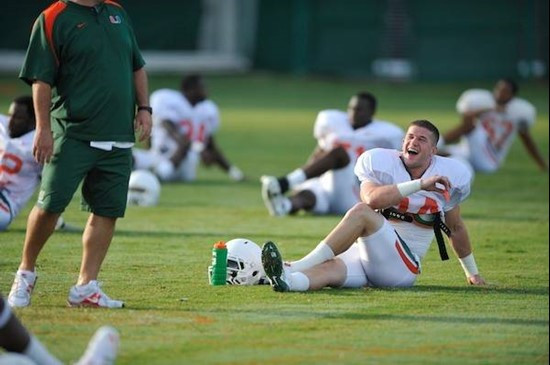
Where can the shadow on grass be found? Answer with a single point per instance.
(489, 289)
(165, 234)
(441, 319)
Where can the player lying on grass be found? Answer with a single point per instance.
(490, 122)
(326, 183)
(414, 191)
(24, 348)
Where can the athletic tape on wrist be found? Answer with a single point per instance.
(409, 187)
(469, 265)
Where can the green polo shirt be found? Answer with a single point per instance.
(88, 55)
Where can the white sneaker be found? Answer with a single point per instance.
(91, 295)
(102, 348)
(275, 202)
(21, 289)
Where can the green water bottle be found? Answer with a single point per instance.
(219, 264)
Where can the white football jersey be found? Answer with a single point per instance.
(19, 172)
(333, 128)
(196, 122)
(495, 131)
(385, 167)
(337, 191)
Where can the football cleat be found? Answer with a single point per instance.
(272, 262)
(275, 202)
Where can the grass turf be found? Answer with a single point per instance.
(157, 262)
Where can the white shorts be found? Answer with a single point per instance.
(163, 168)
(386, 261)
(336, 191)
(474, 148)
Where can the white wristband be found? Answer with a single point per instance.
(409, 187)
(469, 265)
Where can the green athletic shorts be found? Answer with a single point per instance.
(105, 176)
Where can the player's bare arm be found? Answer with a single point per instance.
(460, 241)
(384, 196)
(43, 139)
(467, 124)
(143, 122)
(532, 148)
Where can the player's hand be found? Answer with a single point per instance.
(437, 183)
(476, 280)
(143, 124)
(42, 146)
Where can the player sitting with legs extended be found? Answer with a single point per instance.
(326, 183)
(490, 122)
(184, 124)
(414, 189)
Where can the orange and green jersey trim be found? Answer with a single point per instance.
(50, 15)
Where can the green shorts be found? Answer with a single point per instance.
(105, 176)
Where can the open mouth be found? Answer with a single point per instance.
(412, 151)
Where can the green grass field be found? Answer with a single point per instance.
(157, 262)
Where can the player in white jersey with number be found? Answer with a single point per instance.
(184, 124)
(326, 183)
(490, 122)
(19, 172)
(367, 249)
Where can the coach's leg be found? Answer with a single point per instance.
(95, 241)
(40, 226)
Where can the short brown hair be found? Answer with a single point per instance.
(429, 126)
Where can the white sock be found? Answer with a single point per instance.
(295, 178)
(39, 354)
(320, 254)
(299, 281)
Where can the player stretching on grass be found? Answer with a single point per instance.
(184, 126)
(490, 122)
(415, 189)
(326, 184)
(19, 172)
(24, 348)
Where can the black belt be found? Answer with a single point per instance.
(438, 226)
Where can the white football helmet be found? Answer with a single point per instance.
(244, 263)
(143, 188)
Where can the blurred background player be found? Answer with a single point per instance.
(19, 172)
(16, 339)
(326, 184)
(184, 123)
(490, 122)
(370, 246)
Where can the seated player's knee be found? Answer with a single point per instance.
(361, 211)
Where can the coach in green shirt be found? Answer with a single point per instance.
(87, 79)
